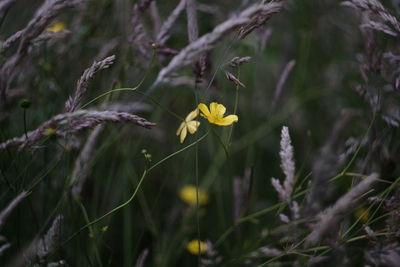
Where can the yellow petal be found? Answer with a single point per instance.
(183, 134)
(192, 115)
(192, 126)
(196, 247)
(213, 108)
(221, 110)
(57, 27)
(178, 132)
(204, 109)
(228, 120)
(189, 193)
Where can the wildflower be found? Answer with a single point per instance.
(189, 194)
(59, 26)
(49, 131)
(216, 113)
(196, 247)
(188, 125)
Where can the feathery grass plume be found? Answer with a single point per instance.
(193, 34)
(163, 35)
(233, 78)
(11, 40)
(4, 7)
(139, 36)
(257, 22)
(43, 17)
(392, 206)
(284, 218)
(370, 233)
(270, 252)
(295, 209)
(73, 122)
(377, 26)
(192, 26)
(262, 253)
(4, 247)
(142, 258)
(383, 255)
(74, 101)
(326, 165)
(43, 246)
(385, 248)
(264, 38)
(51, 239)
(155, 17)
(211, 256)
(375, 7)
(288, 167)
(330, 218)
(48, 36)
(127, 107)
(237, 61)
(371, 98)
(241, 194)
(189, 54)
(10, 207)
(388, 108)
(282, 81)
(82, 163)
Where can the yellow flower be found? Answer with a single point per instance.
(59, 26)
(216, 113)
(196, 247)
(188, 125)
(49, 131)
(188, 194)
(362, 214)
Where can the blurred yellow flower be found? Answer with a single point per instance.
(49, 131)
(188, 125)
(188, 194)
(216, 113)
(362, 214)
(196, 247)
(59, 26)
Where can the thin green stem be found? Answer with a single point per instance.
(234, 108)
(146, 171)
(25, 131)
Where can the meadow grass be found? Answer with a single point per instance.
(195, 133)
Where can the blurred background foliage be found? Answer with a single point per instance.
(322, 37)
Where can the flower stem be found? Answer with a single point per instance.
(234, 108)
